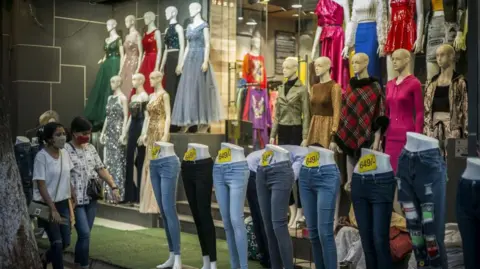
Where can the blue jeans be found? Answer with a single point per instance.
(230, 181)
(84, 218)
(318, 191)
(58, 235)
(468, 218)
(372, 198)
(422, 179)
(164, 175)
(274, 184)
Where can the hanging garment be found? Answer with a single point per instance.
(259, 114)
(402, 31)
(130, 65)
(254, 70)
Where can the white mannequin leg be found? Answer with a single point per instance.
(293, 214)
(299, 216)
(169, 263)
(203, 128)
(206, 262)
(432, 70)
(184, 129)
(213, 265)
(178, 262)
(392, 73)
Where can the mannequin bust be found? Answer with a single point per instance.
(196, 152)
(21, 140)
(404, 25)
(382, 160)
(166, 149)
(325, 156)
(140, 96)
(472, 171)
(112, 37)
(171, 13)
(274, 154)
(116, 84)
(230, 153)
(287, 94)
(418, 142)
(133, 34)
(149, 19)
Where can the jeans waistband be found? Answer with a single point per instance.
(241, 164)
(428, 152)
(327, 167)
(165, 160)
(388, 177)
(203, 161)
(278, 165)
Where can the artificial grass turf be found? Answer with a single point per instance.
(145, 249)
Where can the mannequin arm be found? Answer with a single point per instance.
(146, 121)
(350, 34)
(123, 137)
(382, 21)
(459, 43)
(122, 55)
(316, 41)
(140, 51)
(102, 135)
(337, 108)
(181, 42)
(419, 109)
(168, 118)
(273, 133)
(427, 111)
(158, 38)
(464, 106)
(418, 47)
(124, 103)
(185, 56)
(306, 113)
(164, 58)
(206, 57)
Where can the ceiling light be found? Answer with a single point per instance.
(295, 15)
(311, 12)
(240, 18)
(251, 22)
(297, 6)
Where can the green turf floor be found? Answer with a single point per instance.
(145, 249)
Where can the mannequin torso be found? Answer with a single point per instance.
(274, 154)
(21, 140)
(230, 153)
(166, 149)
(325, 156)
(472, 171)
(381, 160)
(196, 152)
(418, 142)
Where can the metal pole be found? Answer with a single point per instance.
(473, 76)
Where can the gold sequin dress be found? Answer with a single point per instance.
(156, 126)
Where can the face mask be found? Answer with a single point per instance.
(59, 141)
(83, 139)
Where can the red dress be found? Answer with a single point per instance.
(150, 50)
(402, 31)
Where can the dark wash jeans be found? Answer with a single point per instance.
(318, 190)
(422, 179)
(468, 218)
(372, 198)
(197, 179)
(84, 218)
(274, 184)
(58, 235)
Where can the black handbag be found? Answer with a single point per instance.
(94, 187)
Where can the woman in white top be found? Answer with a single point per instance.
(51, 176)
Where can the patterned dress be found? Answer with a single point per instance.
(114, 151)
(131, 62)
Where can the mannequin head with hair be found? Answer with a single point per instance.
(48, 116)
(156, 79)
(445, 56)
(148, 17)
(137, 80)
(115, 82)
(290, 66)
(171, 12)
(401, 60)
(194, 9)
(130, 21)
(111, 25)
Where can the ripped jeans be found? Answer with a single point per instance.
(421, 180)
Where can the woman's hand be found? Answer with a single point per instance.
(55, 217)
(116, 195)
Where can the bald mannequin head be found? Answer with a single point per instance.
(290, 66)
(137, 80)
(401, 60)
(156, 78)
(149, 17)
(445, 56)
(171, 12)
(115, 82)
(322, 66)
(129, 21)
(360, 62)
(194, 9)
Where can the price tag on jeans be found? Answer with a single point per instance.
(266, 158)
(367, 163)
(190, 155)
(224, 155)
(155, 151)
(312, 159)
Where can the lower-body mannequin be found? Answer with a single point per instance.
(439, 33)
(319, 188)
(230, 180)
(171, 80)
(198, 182)
(366, 41)
(421, 180)
(274, 184)
(164, 176)
(392, 73)
(198, 100)
(333, 41)
(372, 199)
(132, 190)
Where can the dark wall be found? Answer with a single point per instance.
(56, 48)
(6, 44)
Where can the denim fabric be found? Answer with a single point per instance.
(422, 179)
(84, 218)
(256, 214)
(197, 179)
(230, 181)
(58, 235)
(468, 218)
(318, 191)
(372, 198)
(25, 157)
(274, 184)
(164, 175)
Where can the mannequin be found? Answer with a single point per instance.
(472, 170)
(369, 24)
(230, 175)
(325, 104)
(421, 184)
(115, 122)
(274, 182)
(444, 24)
(156, 127)
(109, 67)
(292, 112)
(197, 170)
(164, 169)
(446, 100)
(133, 130)
(402, 33)
(173, 53)
(197, 89)
(152, 44)
(319, 183)
(373, 191)
(133, 53)
(332, 14)
(404, 106)
(363, 92)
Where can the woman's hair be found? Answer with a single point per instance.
(47, 116)
(80, 124)
(46, 132)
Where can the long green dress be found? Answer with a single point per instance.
(97, 100)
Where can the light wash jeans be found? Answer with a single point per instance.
(164, 176)
(230, 181)
(318, 191)
(84, 219)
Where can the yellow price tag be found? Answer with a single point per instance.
(155, 151)
(367, 163)
(312, 159)
(190, 155)
(266, 157)
(224, 155)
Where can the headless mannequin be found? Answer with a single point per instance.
(418, 142)
(166, 150)
(112, 37)
(171, 13)
(133, 34)
(472, 171)
(139, 96)
(382, 160)
(277, 154)
(149, 19)
(236, 153)
(195, 10)
(21, 140)
(417, 47)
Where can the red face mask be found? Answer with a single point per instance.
(83, 139)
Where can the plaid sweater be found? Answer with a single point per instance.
(363, 109)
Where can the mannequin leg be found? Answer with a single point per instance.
(203, 128)
(299, 215)
(293, 211)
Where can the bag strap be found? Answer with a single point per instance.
(59, 176)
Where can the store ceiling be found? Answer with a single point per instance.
(282, 8)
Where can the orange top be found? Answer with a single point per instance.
(437, 5)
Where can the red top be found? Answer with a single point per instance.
(254, 70)
(149, 43)
(402, 30)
